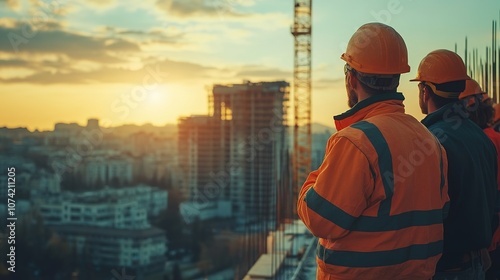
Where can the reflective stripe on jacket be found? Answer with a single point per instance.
(376, 202)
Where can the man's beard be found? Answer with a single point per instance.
(423, 107)
(352, 98)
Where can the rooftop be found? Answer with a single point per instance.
(266, 266)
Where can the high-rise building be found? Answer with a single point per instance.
(238, 152)
(201, 155)
(254, 114)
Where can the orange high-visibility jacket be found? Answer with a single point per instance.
(378, 200)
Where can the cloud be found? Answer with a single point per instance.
(51, 54)
(43, 10)
(25, 38)
(14, 63)
(12, 4)
(102, 4)
(259, 72)
(165, 37)
(204, 8)
(51, 25)
(108, 55)
(61, 72)
(28, 67)
(175, 70)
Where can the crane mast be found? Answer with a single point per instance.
(301, 30)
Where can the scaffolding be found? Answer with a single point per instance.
(486, 72)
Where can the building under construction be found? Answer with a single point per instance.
(238, 151)
(485, 69)
(252, 123)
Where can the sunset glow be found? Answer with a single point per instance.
(69, 61)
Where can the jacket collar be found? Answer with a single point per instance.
(448, 111)
(375, 105)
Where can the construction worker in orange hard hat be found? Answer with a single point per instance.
(378, 199)
(472, 166)
(481, 112)
(473, 93)
(479, 107)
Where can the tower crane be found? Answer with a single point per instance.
(301, 30)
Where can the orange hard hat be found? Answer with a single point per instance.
(471, 88)
(441, 66)
(485, 97)
(497, 113)
(376, 48)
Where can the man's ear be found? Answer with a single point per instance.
(352, 81)
(426, 93)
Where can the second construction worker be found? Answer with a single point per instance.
(472, 167)
(378, 200)
(480, 109)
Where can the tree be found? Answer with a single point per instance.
(41, 251)
(171, 221)
(56, 259)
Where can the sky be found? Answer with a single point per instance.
(152, 61)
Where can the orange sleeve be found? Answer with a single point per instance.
(336, 194)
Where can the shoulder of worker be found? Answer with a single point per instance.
(390, 128)
(389, 125)
(462, 136)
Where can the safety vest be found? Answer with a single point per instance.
(378, 199)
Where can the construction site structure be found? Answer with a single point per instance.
(485, 69)
(238, 155)
(301, 30)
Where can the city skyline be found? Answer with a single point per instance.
(70, 61)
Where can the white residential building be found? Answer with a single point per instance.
(192, 211)
(140, 251)
(103, 169)
(46, 182)
(111, 213)
(110, 228)
(94, 171)
(124, 208)
(154, 200)
(120, 168)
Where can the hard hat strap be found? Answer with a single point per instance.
(444, 94)
(379, 82)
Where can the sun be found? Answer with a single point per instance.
(157, 97)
